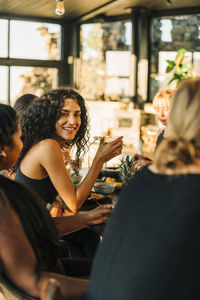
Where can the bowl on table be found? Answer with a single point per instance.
(76, 179)
(104, 188)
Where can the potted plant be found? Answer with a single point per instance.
(178, 67)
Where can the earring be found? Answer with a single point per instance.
(3, 154)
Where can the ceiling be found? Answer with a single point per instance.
(83, 10)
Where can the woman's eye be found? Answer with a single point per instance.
(64, 114)
(77, 115)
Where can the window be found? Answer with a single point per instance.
(167, 36)
(105, 60)
(36, 41)
(34, 80)
(33, 40)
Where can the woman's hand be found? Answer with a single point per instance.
(100, 214)
(107, 151)
(141, 160)
(104, 153)
(56, 209)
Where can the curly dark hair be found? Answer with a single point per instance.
(38, 122)
(8, 124)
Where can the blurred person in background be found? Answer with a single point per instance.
(161, 104)
(151, 243)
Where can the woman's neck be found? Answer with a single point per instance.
(60, 141)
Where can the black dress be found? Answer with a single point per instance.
(82, 243)
(43, 187)
(151, 245)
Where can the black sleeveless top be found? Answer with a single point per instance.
(43, 187)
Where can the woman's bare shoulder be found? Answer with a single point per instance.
(46, 146)
(47, 151)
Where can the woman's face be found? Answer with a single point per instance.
(162, 115)
(69, 122)
(162, 109)
(13, 151)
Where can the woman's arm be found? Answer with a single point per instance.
(68, 224)
(19, 261)
(16, 254)
(51, 159)
(104, 153)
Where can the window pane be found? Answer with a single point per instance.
(117, 86)
(33, 80)
(167, 36)
(4, 84)
(105, 60)
(33, 40)
(3, 38)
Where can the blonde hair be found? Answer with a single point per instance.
(163, 99)
(181, 148)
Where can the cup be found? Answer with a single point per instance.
(114, 162)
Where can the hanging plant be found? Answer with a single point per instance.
(178, 67)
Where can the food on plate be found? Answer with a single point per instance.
(112, 180)
(98, 196)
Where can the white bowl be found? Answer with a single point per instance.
(104, 188)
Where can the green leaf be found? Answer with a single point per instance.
(169, 68)
(181, 51)
(171, 80)
(170, 62)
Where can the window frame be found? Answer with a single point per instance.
(20, 62)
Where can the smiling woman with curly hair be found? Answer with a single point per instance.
(39, 122)
(57, 120)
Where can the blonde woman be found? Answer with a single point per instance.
(162, 103)
(151, 245)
